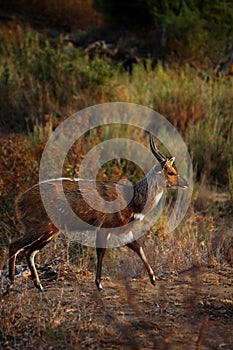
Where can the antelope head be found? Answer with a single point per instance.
(172, 178)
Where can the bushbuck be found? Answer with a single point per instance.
(38, 228)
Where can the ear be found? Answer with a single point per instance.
(171, 160)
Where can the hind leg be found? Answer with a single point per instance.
(30, 254)
(14, 249)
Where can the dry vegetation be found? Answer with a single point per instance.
(42, 82)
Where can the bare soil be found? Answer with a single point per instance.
(189, 309)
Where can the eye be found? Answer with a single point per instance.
(170, 173)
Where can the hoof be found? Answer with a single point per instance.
(153, 280)
(39, 286)
(99, 285)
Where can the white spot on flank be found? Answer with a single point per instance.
(63, 211)
(139, 216)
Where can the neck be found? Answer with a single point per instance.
(149, 190)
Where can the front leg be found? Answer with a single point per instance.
(100, 255)
(101, 241)
(135, 246)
